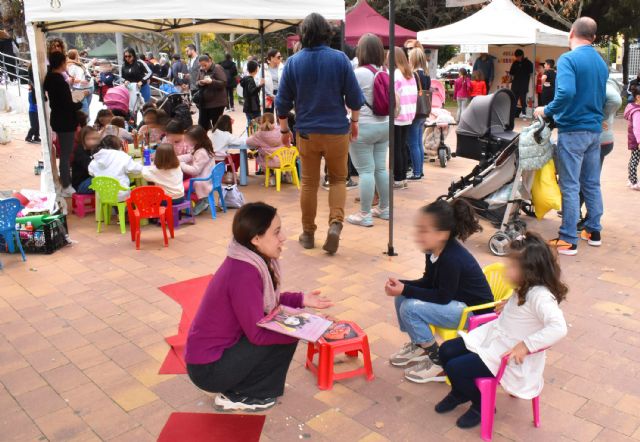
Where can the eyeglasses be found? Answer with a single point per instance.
(128, 56)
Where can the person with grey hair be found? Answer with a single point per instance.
(578, 111)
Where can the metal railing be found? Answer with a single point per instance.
(14, 70)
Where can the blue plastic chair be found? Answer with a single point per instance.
(9, 209)
(216, 180)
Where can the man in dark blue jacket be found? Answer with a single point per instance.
(578, 110)
(320, 84)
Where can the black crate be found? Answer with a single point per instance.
(46, 239)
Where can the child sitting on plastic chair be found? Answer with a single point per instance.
(174, 135)
(530, 321)
(198, 164)
(267, 140)
(166, 173)
(452, 281)
(111, 161)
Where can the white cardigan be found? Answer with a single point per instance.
(539, 323)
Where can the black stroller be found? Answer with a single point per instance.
(500, 184)
(178, 106)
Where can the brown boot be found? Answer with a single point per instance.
(306, 240)
(333, 238)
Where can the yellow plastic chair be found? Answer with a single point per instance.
(500, 289)
(107, 190)
(287, 157)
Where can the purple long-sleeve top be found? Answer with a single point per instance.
(231, 307)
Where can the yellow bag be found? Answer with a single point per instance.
(545, 191)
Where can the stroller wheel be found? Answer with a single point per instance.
(499, 243)
(442, 156)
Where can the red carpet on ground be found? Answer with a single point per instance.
(189, 295)
(196, 427)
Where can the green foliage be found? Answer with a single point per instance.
(446, 53)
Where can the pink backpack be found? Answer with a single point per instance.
(380, 105)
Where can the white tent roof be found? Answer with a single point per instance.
(222, 16)
(500, 22)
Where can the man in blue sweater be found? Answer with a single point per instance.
(320, 83)
(577, 109)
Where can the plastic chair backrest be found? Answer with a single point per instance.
(9, 209)
(287, 156)
(497, 281)
(107, 189)
(217, 174)
(147, 200)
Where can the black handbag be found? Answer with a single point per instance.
(423, 104)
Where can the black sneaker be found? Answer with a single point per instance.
(449, 403)
(563, 247)
(593, 238)
(471, 418)
(580, 227)
(234, 402)
(351, 185)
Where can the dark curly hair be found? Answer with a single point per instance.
(456, 217)
(538, 266)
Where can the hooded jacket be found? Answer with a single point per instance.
(115, 164)
(611, 106)
(632, 115)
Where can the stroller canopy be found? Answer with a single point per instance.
(488, 113)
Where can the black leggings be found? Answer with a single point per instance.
(400, 153)
(34, 130)
(255, 371)
(463, 367)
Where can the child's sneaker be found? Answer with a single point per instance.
(67, 192)
(233, 402)
(361, 219)
(593, 239)
(201, 206)
(408, 354)
(425, 371)
(377, 212)
(563, 247)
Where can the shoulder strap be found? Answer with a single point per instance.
(373, 70)
(418, 81)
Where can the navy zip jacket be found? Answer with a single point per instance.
(455, 276)
(319, 82)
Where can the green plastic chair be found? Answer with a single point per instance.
(107, 190)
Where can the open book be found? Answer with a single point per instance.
(296, 323)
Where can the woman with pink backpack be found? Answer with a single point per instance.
(462, 91)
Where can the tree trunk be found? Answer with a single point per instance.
(625, 59)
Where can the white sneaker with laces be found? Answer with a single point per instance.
(408, 354)
(376, 212)
(361, 219)
(425, 371)
(67, 192)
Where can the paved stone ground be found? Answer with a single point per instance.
(81, 331)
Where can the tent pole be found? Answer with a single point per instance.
(197, 42)
(119, 48)
(392, 107)
(342, 45)
(262, 64)
(534, 99)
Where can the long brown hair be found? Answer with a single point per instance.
(538, 266)
(166, 157)
(370, 50)
(200, 139)
(402, 64)
(251, 220)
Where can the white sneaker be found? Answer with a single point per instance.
(408, 354)
(67, 192)
(425, 371)
(376, 212)
(361, 219)
(399, 185)
(229, 402)
(635, 186)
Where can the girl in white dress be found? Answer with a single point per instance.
(530, 321)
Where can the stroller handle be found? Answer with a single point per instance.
(537, 135)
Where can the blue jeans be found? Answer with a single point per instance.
(415, 316)
(416, 149)
(369, 156)
(579, 170)
(83, 188)
(86, 102)
(145, 91)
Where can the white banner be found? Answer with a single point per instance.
(458, 3)
(474, 49)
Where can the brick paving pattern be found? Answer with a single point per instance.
(82, 331)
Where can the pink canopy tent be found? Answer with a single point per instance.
(362, 19)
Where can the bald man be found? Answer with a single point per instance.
(578, 110)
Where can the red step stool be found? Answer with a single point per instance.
(329, 348)
(83, 204)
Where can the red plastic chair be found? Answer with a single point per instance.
(327, 351)
(488, 387)
(146, 202)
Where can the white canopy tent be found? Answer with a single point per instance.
(222, 16)
(498, 23)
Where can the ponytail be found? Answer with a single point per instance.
(456, 217)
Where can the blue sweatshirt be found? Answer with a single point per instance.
(318, 82)
(580, 91)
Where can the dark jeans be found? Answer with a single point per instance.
(400, 153)
(255, 371)
(66, 147)
(209, 117)
(34, 130)
(251, 116)
(521, 97)
(463, 367)
(230, 91)
(605, 149)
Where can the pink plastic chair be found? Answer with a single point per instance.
(489, 386)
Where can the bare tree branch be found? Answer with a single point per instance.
(554, 14)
